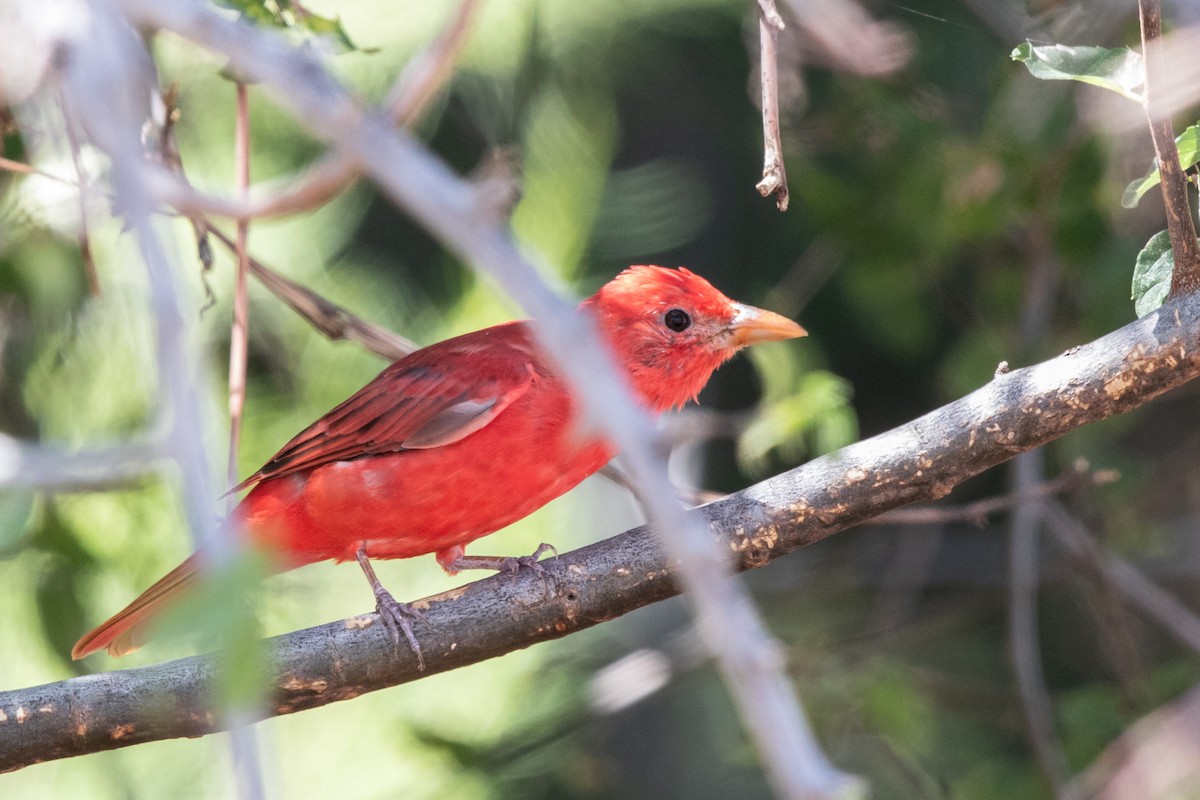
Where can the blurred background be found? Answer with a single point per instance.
(948, 212)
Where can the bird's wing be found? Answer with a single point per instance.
(432, 398)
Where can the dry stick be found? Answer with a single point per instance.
(9, 165)
(240, 330)
(977, 513)
(1022, 626)
(919, 461)
(1180, 225)
(1159, 605)
(247, 756)
(774, 179)
(448, 207)
(329, 318)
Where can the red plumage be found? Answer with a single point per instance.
(466, 436)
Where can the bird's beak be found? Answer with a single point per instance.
(753, 325)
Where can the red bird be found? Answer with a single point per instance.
(459, 439)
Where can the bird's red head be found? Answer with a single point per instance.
(672, 329)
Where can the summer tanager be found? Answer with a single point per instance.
(462, 438)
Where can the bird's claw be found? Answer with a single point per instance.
(397, 618)
(513, 564)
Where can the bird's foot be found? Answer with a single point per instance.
(398, 617)
(509, 565)
(394, 615)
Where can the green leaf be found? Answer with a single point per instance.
(328, 27)
(1188, 144)
(1119, 69)
(221, 606)
(293, 17)
(16, 510)
(1152, 274)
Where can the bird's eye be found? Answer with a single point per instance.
(677, 320)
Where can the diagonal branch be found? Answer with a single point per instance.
(326, 316)
(922, 460)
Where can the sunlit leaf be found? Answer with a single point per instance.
(1118, 69)
(16, 509)
(221, 608)
(1188, 144)
(293, 17)
(1152, 274)
(328, 27)
(803, 411)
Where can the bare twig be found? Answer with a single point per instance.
(445, 204)
(240, 329)
(247, 759)
(774, 179)
(9, 165)
(920, 460)
(977, 513)
(1022, 616)
(31, 466)
(329, 318)
(1180, 225)
(1159, 605)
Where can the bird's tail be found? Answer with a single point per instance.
(125, 631)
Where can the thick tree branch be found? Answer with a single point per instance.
(921, 460)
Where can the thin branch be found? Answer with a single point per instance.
(9, 165)
(335, 322)
(1024, 538)
(422, 79)
(977, 513)
(329, 318)
(1156, 603)
(31, 466)
(774, 179)
(1180, 225)
(921, 460)
(240, 328)
(247, 756)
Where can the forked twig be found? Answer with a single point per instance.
(774, 179)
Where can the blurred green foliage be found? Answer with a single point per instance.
(930, 210)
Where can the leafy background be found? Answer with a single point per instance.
(927, 208)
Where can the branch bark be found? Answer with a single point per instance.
(922, 460)
(1180, 226)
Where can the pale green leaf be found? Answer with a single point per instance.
(1118, 69)
(1188, 144)
(1152, 274)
